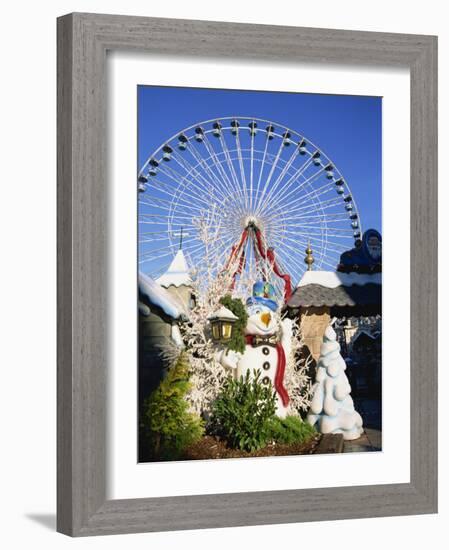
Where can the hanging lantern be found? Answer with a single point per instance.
(221, 323)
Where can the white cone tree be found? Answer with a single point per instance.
(332, 408)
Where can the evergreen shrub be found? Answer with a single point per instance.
(290, 430)
(242, 411)
(165, 421)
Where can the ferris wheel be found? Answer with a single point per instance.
(265, 191)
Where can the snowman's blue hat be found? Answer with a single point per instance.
(263, 294)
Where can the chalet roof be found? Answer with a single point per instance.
(338, 290)
(177, 274)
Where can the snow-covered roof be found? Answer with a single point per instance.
(177, 274)
(223, 313)
(152, 292)
(332, 279)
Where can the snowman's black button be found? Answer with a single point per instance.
(265, 380)
(265, 350)
(266, 365)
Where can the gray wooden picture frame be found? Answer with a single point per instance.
(83, 41)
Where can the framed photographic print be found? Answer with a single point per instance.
(247, 274)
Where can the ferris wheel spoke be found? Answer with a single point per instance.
(218, 165)
(200, 183)
(148, 250)
(251, 172)
(332, 235)
(290, 264)
(230, 166)
(294, 178)
(220, 176)
(164, 232)
(301, 211)
(310, 226)
(164, 204)
(166, 188)
(170, 191)
(165, 237)
(262, 165)
(280, 177)
(242, 169)
(166, 254)
(337, 246)
(203, 187)
(319, 255)
(152, 239)
(322, 242)
(201, 162)
(197, 183)
(268, 180)
(308, 181)
(313, 194)
(319, 219)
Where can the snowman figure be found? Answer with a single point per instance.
(268, 344)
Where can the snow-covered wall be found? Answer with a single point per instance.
(160, 297)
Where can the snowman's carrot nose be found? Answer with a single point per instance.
(266, 318)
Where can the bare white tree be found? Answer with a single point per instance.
(213, 278)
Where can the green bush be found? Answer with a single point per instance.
(289, 430)
(237, 341)
(165, 421)
(242, 411)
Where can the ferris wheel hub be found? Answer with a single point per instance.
(251, 221)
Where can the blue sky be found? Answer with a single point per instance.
(347, 128)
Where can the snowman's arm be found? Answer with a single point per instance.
(286, 335)
(228, 358)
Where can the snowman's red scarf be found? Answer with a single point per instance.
(280, 370)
